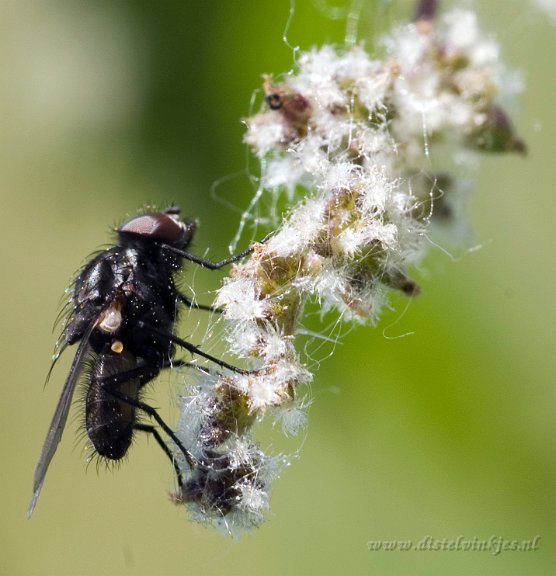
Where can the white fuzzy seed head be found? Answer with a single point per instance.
(356, 134)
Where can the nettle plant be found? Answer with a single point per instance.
(346, 137)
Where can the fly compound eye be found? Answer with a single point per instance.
(158, 226)
(166, 227)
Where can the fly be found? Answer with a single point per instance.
(123, 309)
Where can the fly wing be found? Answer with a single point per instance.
(59, 419)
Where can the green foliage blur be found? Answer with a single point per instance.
(439, 422)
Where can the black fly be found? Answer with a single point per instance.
(124, 305)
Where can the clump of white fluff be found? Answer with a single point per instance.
(354, 133)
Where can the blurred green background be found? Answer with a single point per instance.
(107, 106)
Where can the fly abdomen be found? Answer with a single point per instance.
(109, 416)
